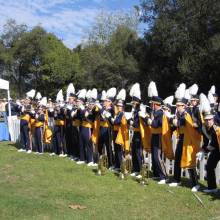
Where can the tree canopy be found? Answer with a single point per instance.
(181, 43)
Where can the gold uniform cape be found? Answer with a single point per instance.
(166, 137)
(47, 131)
(191, 143)
(122, 136)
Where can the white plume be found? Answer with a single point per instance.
(82, 94)
(187, 94)
(193, 89)
(94, 93)
(211, 98)
(121, 95)
(212, 90)
(88, 94)
(103, 96)
(135, 91)
(111, 93)
(169, 100)
(78, 93)
(38, 96)
(180, 92)
(43, 101)
(204, 103)
(31, 93)
(70, 89)
(60, 96)
(152, 89)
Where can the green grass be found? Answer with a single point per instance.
(42, 187)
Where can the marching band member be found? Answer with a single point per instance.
(188, 141)
(136, 138)
(194, 107)
(120, 130)
(215, 98)
(75, 116)
(212, 101)
(81, 107)
(211, 144)
(105, 138)
(24, 129)
(160, 135)
(39, 129)
(59, 122)
(71, 101)
(87, 119)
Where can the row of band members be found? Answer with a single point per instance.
(82, 129)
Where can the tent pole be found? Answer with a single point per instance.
(9, 104)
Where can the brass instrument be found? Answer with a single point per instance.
(144, 174)
(126, 168)
(102, 165)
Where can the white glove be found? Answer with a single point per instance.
(86, 114)
(69, 107)
(73, 113)
(22, 109)
(175, 121)
(82, 107)
(50, 109)
(18, 103)
(200, 155)
(149, 121)
(210, 148)
(112, 120)
(107, 114)
(98, 105)
(195, 125)
(168, 114)
(36, 116)
(141, 114)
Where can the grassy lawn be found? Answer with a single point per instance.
(43, 187)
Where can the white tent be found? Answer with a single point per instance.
(4, 84)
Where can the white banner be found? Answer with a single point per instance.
(4, 84)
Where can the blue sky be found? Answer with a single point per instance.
(68, 19)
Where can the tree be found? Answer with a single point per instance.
(181, 37)
(108, 54)
(37, 59)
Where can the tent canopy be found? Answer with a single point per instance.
(4, 84)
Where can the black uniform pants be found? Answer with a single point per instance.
(39, 139)
(85, 145)
(212, 162)
(69, 139)
(105, 140)
(58, 139)
(136, 151)
(118, 151)
(157, 162)
(25, 138)
(75, 139)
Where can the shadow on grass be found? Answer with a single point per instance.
(214, 196)
(14, 144)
